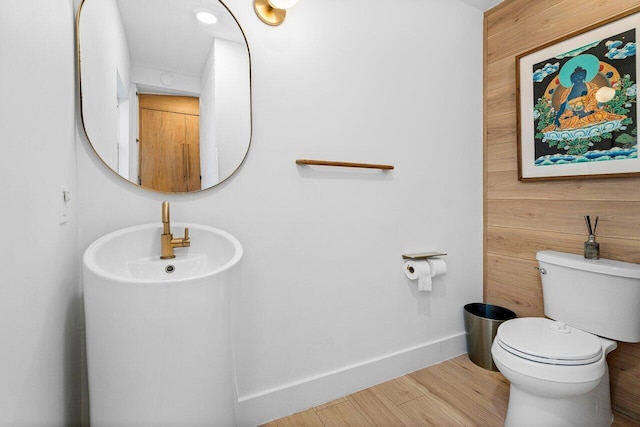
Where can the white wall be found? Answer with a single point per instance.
(105, 58)
(324, 299)
(209, 167)
(225, 111)
(232, 110)
(151, 80)
(39, 360)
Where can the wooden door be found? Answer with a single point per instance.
(169, 143)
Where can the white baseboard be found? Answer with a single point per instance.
(294, 397)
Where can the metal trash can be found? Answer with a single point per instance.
(481, 323)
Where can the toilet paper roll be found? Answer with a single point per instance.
(438, 266)
(420, 271)
(424, 271)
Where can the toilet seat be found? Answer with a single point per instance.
(546, 341)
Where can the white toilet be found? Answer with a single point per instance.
(557, 368)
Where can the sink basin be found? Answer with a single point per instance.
(182, 267)
(132, 255)
(157, 330)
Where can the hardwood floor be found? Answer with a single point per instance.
(452, 393)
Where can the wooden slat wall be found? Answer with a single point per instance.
(522, 218)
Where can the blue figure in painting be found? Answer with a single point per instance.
(581, 105)
(578, 90)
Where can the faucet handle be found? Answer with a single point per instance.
(186, 233)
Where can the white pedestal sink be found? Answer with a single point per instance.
(158, 333)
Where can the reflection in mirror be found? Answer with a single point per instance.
(165, 90)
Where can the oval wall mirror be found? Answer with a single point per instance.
(165, 89)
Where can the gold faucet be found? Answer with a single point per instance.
(167, 240)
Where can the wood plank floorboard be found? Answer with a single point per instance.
(452, 393)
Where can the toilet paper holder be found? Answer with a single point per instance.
(420, 256)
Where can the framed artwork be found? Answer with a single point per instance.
(577, 104)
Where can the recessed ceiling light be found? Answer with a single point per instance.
(206, 17)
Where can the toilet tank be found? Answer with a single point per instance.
(598, 296)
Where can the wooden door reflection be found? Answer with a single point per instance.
(169, 143)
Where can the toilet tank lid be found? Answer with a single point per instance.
(603, 266)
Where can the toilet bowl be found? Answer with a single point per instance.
(557, 365)
(558, 374)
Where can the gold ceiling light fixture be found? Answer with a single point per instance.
(272, 12)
